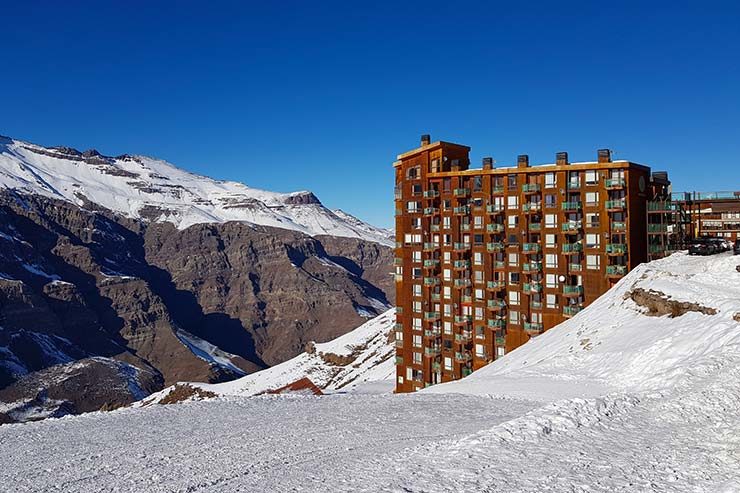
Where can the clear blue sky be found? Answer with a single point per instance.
(290, 95)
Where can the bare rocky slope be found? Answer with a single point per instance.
(145, 304)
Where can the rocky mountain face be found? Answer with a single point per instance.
(90, 297)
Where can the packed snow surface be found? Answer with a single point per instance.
(143, 187)
(612, 400)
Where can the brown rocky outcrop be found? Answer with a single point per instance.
(84, 282)
(658, 304)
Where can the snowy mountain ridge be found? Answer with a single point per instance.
(155, 190)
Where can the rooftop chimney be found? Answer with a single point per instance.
(522, 161)
(487, 163)
(605, 156)
(561, 159)
(426, 139)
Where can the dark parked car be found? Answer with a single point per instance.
(736, 248)
(701, 247)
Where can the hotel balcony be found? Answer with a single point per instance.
(460, 247)
(657, 228)
(497, 189)
(463, 337)
(532, 266)
(569, 291)
(399, 361)
(397, 261)
(462, 210)
(531, 188)
(500, 341)
(499, 264)
(532, 287)
(463, 357)
(619, 226)
(430, 194)
(535, 227)
(461, 264)
(430, 211)
(434, 227)
(494, 208)
(429, 247)
(529, 207)
(616, 248)
(431, 351)
(572, 248)
(495, 305)
(569, 311)
(531, 248)
(495, 247)
(433, 332)
(495, 228)
(616, 270)
(571, 227)
(573, 267)
(615, 205)
(431, 281)
(431, 263)
(496, 323)
(535, 305)
(495, 285)
(433, 316)
(461, 192)
(614, 183)
(571, 206)
(533, 328)
(462, 283)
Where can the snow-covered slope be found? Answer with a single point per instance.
(615, 346)
(360, 360)
(619, 398)
(143, 187)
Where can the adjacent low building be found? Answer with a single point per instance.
(487, 258)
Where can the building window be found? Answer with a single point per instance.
(478, 222)
(551, 280)
(477, 183)
(511, 182)
(513, 259)
(478, 276)
(416, 256)
(513, 278)
(514, 298)
(550, 200)
(417, 340)
(550, 240)
(448, 363)
(592, 177)
(592, 219)
(592, 240)
(593, 262)
(551, 220)
(416, 307)
(480, 351)
(550, 181)
(416, 323)
(478, 258)
(514, 318)
(447, 274)
(551, 300)
(512, 202)
(479, 294)
(574, 179)
(417, 358)
(551, 261)
(592, 198)
(447, 292)
(512, 221)
(448, 328)
(500, 353)
(479, 313)
(446, 256)
(417, 289)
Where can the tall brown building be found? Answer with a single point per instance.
(487, 258)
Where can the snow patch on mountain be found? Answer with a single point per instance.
(146, 188)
